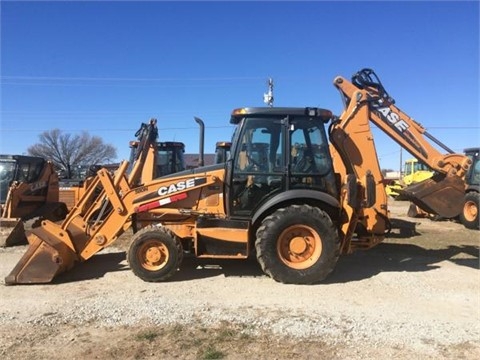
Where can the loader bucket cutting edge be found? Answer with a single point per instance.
(441, 195)
(41, 263)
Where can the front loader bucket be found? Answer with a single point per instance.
(45, 258)
(440, 195)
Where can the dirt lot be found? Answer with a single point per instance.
(415, 296)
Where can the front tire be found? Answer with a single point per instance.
(469, 216)
(297, 245)
(155, 254)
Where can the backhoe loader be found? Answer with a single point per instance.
(297, 210)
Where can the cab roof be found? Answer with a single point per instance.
(239, 113)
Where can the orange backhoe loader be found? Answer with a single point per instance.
(297, 207)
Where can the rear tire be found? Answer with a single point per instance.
(297, 245)
(469, 216)
(155, 254)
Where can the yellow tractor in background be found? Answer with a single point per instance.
(314, 195)
(413, 172)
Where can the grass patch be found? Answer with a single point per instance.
(147, 335)
(210, 353)
(226, 334)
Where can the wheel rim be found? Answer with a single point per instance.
(299, 246)
(153, 255)
(470, 211)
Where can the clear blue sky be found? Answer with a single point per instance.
(105, 67)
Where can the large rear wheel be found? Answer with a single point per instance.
(298, 245)
(469, 216)
(155, 254)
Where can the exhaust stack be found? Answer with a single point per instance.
(201, 141)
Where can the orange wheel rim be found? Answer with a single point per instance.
(299, 246)
(153, 255)
(470, 210)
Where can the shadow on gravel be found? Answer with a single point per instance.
(94, 268)
(360, 265)
(402, 229)
(354, 267)
(400, 257)
(191, 268)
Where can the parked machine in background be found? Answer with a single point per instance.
(413, 171)
(222, 151)
(28, 188)
(470, 215)
(25, 183)
(168, 159)
(314, 195)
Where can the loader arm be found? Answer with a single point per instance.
(366, 100)
(56, 247)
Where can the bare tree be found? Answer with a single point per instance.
(69, 152)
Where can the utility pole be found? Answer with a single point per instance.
(401, 162)
(268, 96)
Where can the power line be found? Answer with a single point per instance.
(123, 85)
(93, 78)
(123, 130)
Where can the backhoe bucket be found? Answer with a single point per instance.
(440, 195)
(45, 258)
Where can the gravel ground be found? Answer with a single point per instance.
(417, 295)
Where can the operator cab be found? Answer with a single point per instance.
(473, 176)
(169, 159)
(276, 150)
(222, 151)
